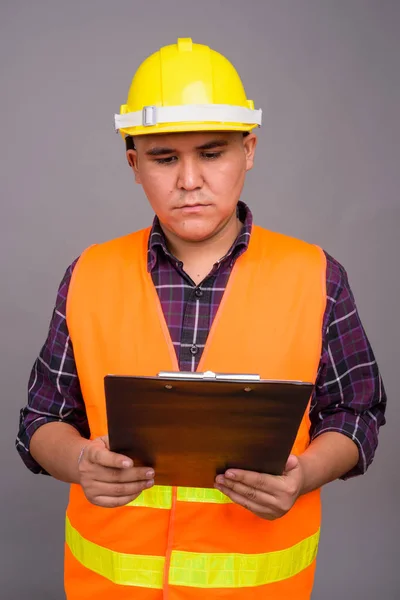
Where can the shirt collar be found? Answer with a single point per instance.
(158, 243)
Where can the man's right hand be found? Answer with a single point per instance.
(109, 479)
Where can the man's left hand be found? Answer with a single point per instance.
(267, 496)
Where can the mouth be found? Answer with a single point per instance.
(193, 208)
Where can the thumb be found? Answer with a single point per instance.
(291, 464)
(102, 442)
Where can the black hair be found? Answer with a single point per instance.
(129, 143)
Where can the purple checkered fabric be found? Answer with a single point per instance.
(349, 396)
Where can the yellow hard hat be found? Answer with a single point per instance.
(186, 87)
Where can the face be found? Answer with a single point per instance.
(193, 181)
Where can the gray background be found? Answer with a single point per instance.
(327, 75)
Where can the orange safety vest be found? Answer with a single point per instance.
(190, 543)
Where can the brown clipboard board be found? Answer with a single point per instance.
(192, 426)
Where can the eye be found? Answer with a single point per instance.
(166, 161)
(211, 155)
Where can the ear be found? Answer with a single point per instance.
(132, 158)
(249, 145)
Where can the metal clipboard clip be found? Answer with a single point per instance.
(209, 376)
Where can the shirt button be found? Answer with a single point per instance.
(194, 349)
(198, 292)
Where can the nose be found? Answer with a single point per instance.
(190, 177)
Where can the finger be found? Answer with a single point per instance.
(246, 503)
(113, 501)
(100, 455)
(120, 490)
(250, 493)
(112, 475)
(270, 484)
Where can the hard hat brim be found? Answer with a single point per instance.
(186, 128)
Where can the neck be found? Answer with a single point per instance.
(199, 257)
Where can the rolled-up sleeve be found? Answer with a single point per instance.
(54, 392)
(349, 395)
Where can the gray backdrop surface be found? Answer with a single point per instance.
(327, 74)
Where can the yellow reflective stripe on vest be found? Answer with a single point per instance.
(122, 569)
(201, 570)
(204, 495)
(158, 496)
(192, 569)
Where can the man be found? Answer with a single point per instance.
(202, 289)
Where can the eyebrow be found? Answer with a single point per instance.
(163, 150)
(160, 151)
(213, 144)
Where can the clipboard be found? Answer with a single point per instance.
(192, 426)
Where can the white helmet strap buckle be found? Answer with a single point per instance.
(149, 116)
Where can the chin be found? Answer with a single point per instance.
(194, 237)
(194, 234)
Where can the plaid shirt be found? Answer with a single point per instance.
(349, 396)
